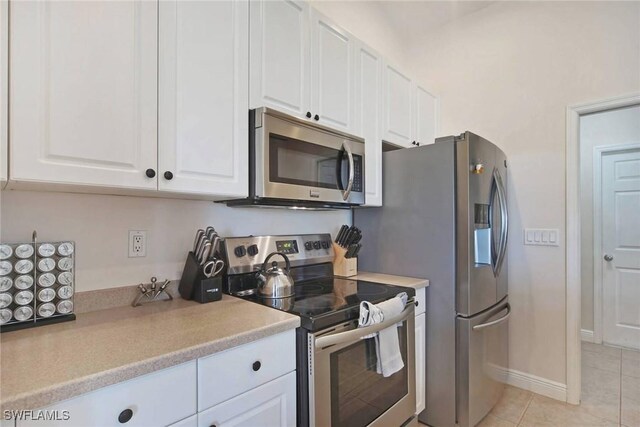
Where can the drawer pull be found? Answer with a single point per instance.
(125, 416)
(257, 365)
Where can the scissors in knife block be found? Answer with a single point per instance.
(213, 268)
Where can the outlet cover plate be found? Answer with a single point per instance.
(137, 243)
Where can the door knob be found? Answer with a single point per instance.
(608, 257)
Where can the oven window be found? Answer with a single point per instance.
(359, 395)
(292, 161)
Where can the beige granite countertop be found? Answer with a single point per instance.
(47, 364)
(388, 279)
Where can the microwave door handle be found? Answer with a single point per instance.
(347, 191)
(358, 333)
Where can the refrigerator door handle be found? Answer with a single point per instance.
(495, 249)
(494, 322)
(504, 221)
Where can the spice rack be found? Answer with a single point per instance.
(37, 283)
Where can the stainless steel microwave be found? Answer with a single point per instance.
(295, 163)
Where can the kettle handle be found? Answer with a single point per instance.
(265, 265)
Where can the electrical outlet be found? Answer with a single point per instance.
(137, 243)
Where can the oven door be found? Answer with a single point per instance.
(299, 161)
(344, 388)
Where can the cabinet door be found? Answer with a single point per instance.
(270, 405)
(279, 60)
(398, 106)
(368, 112)
(420, 362)
(83, 105)
(203, 97)
(4, 99)
(425, 116)
(332, 73)
(192, 421)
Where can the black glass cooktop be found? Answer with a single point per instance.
(321, 303)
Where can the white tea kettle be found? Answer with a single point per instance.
(275, 282)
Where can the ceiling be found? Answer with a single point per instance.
(416, 18)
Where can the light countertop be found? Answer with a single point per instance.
(388, 279)
(48, 364)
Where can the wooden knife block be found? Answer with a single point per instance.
(343, 267)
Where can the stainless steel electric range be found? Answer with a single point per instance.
(336, 365)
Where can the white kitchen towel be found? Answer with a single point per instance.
(389, 358)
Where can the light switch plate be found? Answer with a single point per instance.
(542, 236)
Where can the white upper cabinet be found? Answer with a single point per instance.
(368, 117)
(4, 88)
(398, 107)
(280, 57)
(426, 116)
(203, 97)
(332, 73)
(83, 105)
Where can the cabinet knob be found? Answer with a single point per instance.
(257, 365)
(168, 175)
(316, 117)
(308, 114)
(150, 173)
(413, 143)
(125, 416)
(418, 144)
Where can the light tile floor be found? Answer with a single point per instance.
(610, 396)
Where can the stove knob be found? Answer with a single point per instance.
(240, 251)
(252, 250)
(316, 244)
(308, 245)
(325, 244)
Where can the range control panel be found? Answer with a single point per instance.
(246, 254)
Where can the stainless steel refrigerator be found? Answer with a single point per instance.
(445, 218)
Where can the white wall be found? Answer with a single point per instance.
(99, 224)
(621, 126)
(367, 21)
(508, 72)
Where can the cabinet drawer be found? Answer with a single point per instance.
(232, 372)
(271, 405)
(157, 399)
(421, 298)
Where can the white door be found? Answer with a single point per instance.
(203, 97)
(332, 72)
(425, 116)
(4, 88)
(279, 60)
(398, 107)
(83, 105)
(270, 405)
(621, 248)
(368, 117)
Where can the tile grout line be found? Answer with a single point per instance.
(525, 409)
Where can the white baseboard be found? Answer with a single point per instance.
(537, 385)
(586, 335)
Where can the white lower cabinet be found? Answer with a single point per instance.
(192, 421)
(271, 405)
(421, 350)
(156, 399)
(230, 373)
(420, 362)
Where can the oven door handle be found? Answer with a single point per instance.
(347, 191)
(358, 333)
